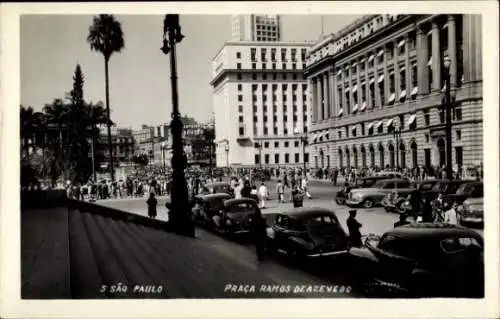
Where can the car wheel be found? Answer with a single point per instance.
(368, 203)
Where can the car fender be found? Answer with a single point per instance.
(363, 253)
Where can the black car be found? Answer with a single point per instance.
(206, 207)
(422, 260)
(465, 191)
(236, 217)
(445, 187)
(218, 187)
(307, 232)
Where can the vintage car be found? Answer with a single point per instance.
(421, 260)
(445, 187)
(218, 187)
(307, 233)
(389, 174)
(465, 191)
(236, 217)
(205, 207)
(471, 212)
(401, 203)
(364, 182)
(368, 197)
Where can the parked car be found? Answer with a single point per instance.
(471, 212)
(389, 174)
(236, 217)
(219, 187)
(369, 197)
(445, 187)
(403, 203)
(206, 207)
(465, 191)
(422, 260)
(307, 233)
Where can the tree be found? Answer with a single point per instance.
(106, 36)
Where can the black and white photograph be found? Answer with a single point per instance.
(327, 153)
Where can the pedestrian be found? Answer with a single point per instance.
(450, 216)
(427, 212)
(402, 220)
(280, 189)
(263, 194)
(353, 225)
(259, 232)
(246, 190)
(297, 197)
(304, 187)
(416, 201)
(152, 202)
(237, 190)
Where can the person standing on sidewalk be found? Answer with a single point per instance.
(152, 202)
(280, 189)
(304, 187)
(353, 225)
(259, 233)
(263, 194)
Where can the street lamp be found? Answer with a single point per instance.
(447, 105)
(179, 207)
(397, 134)
(303, 140)
(226, 148)
(163, 147)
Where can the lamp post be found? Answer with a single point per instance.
(179, 207)
(226, 148)
(397, 134)
(447, 105)
(303, 140)
(163, 146)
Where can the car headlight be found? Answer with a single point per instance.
(229, 222)
(356, 196)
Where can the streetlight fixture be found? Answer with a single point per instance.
(447, 105)
(397, 135)
(179, 207)
(303, 140)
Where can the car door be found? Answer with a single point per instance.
(388, 187)
(396, 263)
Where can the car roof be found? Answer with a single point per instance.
(208, 197)
(217, 184)
(234, 201)
(374, 177)
(395, 180)
(303, 212)
(431, 230)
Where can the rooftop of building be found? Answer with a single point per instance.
(305, 43)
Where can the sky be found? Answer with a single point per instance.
(139, 76)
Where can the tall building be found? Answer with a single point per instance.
(122, 141)
(385, 73)
(255, 27)
(260, 103)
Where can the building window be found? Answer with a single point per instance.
(283, 54)
(240, 119)
(283, 66)
(266, 144)
(240, 108)
(238, 66)
(285, 118)
(402, 79)
(382, 92)
(240, 87)
(303, 54)
(266, 131)
(441, 116)
(263, 66)
(273, 66)
(238, 76)
(427, 118)
(240, 98)
(274, 76)
(253, 53)
(273, 55)
(294, 76)
(362, 128)
(265, 118)
(297, 158)
(285, 131)
(257, 159)
(284, 76)
(264, 76)
(254, 66)
(276, 158)
(459, 155)
(457, 114)
(266, 158)
(286, 144)
(275, 130)
(241, 130)
(287, 158)
(254, 76)
(238, 55)
(255, 117)
(255, 108)
(276, 144)
(459, 135)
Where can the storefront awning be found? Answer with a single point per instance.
(347, 89)
(389, 123)
(341, 112)
(355, 88)
(372, 80)
(339, 72)
(355, 108)
(402, 96)
(363, 106)
(353, 129)
(403, 68)
(430, 62)
(401, 43)
(355, 64)
(380, 53)
(362, 60)
(314, 138)
(392, 98)
(327, 136)
(414, 91)
(380, 78)
(412, 119)
(370, 126)
(377, 125)
(371, 58)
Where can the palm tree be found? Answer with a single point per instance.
(57, 115)
(106, 36)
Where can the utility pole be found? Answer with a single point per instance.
(448, 106)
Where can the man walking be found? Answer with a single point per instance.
(353, 225)
(304, 187)
(280, 189)
(263, 194)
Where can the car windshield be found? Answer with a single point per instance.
(217, 204)
(439, 187)
(379, 184)
(241, 208)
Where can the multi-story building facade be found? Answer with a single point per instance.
(260, 103)
(255, 27)
(122, 141)
(386, 73)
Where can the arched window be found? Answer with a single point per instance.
(442, 152)
(348, 157)
(381, 154)
(363, 156)
(414, 154)
(341, 158)
(372, 156)
(402, 152)
(391, 155)
(355, 153)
